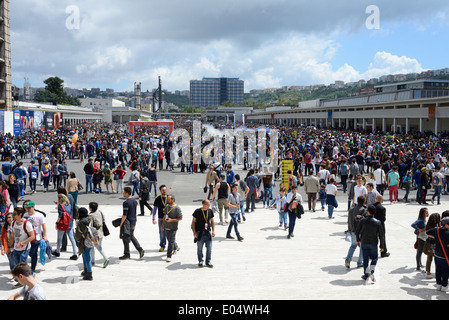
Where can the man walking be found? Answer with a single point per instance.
(311, 187)
(144, 195)
(222, 188)
(369, 233)
(234, 208)
(381, 215)
(37, 219)
(355, 214)
(253, 184)
(202, 224)
(172, 215)
(128, 223)
(160, 202)
(89, 171)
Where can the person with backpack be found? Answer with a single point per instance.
(355, 214)
(441, 237)
(37, 219)
(98, 216)
(21, 237)
(87, 239)
(294, 200)
(144, 195)
(33, 173)
(369, 233)
(64, 223)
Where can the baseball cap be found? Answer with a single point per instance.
(29, 204)
(444, 221)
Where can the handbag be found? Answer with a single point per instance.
(104, 226)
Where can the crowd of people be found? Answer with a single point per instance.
(364, 166)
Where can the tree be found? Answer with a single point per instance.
(55, 94)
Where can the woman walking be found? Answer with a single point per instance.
(420, 225)
(98, 218)
(64, 205)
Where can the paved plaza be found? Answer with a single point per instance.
(264, 266)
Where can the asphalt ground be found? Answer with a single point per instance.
(264, 266)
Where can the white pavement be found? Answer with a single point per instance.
(264, 266)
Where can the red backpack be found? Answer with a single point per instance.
(64, 222)
(25, 229)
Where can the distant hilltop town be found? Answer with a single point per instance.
(256, 98)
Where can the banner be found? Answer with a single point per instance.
(26, 120)
(16, 118)
(286, 166)
(431, 112)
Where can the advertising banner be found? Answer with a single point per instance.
(16, 119)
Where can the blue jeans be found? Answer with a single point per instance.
(71, 236)
(153, 183)
(33, 254)
(87, 261)
(89, 183)
(437, 193)
(242, 208)
(136, 185)
(162, 237)
(283, 218)
(407, 191)
(330, 210)
(267, 195)
(292, 221)
(206, 239)
(234, 223)
(19, 256)
(352, 250)
(369, 252)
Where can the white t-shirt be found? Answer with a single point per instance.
(36, 293)
(290, 197)
(323, 174)
(20, 234)
(331, 189)
(37, 219)
(359, 191)
(379, 175)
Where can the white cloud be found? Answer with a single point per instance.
(267, 43)
(385, 63)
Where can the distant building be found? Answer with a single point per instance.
(215, 91)
(5, 57)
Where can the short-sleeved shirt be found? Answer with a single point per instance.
(130, 209)
(20, 234)
(359, 191)
(172, 213)
(331, 188)
(201, 216)
(35, 293)
(37, 220)
(234, 199)
(394, 177)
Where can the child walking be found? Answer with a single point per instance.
(281, 200)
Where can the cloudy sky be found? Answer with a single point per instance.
(267, 43)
